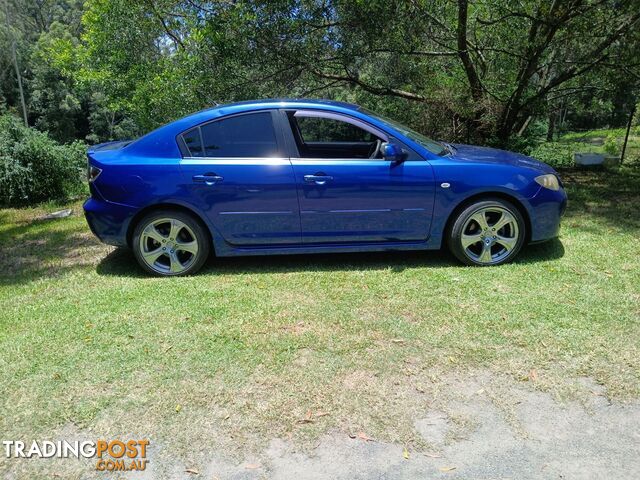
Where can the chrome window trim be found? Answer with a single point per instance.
(342, 161)
(235, 161)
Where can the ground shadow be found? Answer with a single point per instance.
(608, 195)
(121, 262)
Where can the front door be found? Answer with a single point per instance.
(236, 172)
(347, 192)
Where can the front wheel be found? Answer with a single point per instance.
(170, 243)
(489, 232)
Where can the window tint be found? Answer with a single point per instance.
(249, 135)
(193, 142)
(317, 129)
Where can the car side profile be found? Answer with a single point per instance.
(309, 176)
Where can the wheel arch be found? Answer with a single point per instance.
(166, 206)
(516, 202)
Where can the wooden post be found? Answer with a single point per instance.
(626, 136)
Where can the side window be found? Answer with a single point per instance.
(250, 135)
(331, 137)
(193, 141)
(318, 129)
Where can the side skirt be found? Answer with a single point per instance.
(231, 251)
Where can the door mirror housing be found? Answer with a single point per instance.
(392, 152)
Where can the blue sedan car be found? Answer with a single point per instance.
(306, 176)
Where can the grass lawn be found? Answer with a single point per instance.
(241, 353)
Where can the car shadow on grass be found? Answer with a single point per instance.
(121, 262)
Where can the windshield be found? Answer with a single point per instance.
(431, 145)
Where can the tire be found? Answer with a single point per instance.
(170, 243)
(495, 241)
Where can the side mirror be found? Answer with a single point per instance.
(392, 152)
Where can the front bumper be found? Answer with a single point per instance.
(108, 221)
(547, 209)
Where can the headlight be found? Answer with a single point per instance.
(549, 181)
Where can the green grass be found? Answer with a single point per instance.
(239, 353)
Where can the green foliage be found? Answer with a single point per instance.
(611, 144)
(34, 168)
(556, 154)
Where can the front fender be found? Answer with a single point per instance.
(457, 184)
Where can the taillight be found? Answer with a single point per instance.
(93, 173)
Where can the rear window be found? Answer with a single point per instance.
(250, 135)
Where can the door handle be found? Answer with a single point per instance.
(318, 179)
(208, 178)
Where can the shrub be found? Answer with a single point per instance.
(34, 168)
(611, 144)
(556, 154)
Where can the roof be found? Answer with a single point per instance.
(297, 102)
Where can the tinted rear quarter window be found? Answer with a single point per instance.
(193, 142)
(249, 135)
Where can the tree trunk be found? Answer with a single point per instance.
(14, 55)
(551, 129)
(19, 77)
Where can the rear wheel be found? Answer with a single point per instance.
(170, 243)
(489, 232)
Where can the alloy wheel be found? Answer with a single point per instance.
(489, 235)
(168, 246)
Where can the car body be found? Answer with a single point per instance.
(301, 176)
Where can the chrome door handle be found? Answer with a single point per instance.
(318, 179)
(208, 178)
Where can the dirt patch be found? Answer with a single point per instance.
(532, 436)
(487, 427)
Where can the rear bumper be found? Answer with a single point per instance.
(547, 208)
(108, 221)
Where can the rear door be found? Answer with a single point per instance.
(347, 192)
(235, 170)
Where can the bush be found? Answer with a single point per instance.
(556, 154)
(34, 168)
(611, 144)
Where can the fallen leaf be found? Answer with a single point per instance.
(307, 418)
(192, 471)
(432, 455)
(405, 453)
(447, 469)
(363, 436)
(252, 466)
(533, 375)
(178, 408)
(168, 348)
(352, 435)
